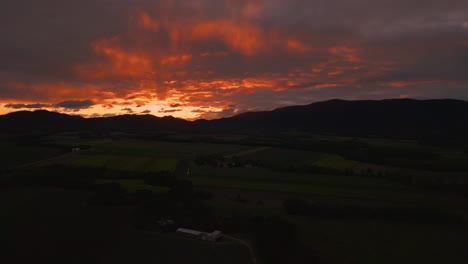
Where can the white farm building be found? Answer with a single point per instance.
(213, 236)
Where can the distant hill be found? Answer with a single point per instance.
(395, 118)
(40, 120)
(401, 118)
(45, 121)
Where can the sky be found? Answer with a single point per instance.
(217, 58)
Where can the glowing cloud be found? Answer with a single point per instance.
(213, 58)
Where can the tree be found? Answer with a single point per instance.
(109, 194)
(275, 240)
(182, 190)
(298, 207)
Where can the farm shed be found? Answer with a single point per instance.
(213, 236)
(189, 232)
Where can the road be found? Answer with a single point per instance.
(37, 162)
(253, 259)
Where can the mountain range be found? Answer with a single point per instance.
(392, 118)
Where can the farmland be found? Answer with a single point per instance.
(119, 162)
(361, 204)
(63, 225)
(134, 185)
(14, 153)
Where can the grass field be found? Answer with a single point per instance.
(277, 157)
(248, 152)
(280, 156)
(322, 187)
(315, 191)
(369, 242)
(365, 241)
(134, 185)
(50, 225)
(152, 149)
(122, 163)
(13, 155)
(305, 179)
(114, 162)
(335, 162)
(139, 156)
(335, 241)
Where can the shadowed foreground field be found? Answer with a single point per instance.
(49, 225)
(369, 202)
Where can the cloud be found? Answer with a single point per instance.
(228, 56)
(198, 111)
(220, 114)
(169, 110)
(146, 112)
(128, 110)
(75, 104)
(27, 106)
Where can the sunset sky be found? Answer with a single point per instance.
(215, 58)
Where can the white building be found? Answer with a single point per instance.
(76, 149)
(213, 236)
(190, 232)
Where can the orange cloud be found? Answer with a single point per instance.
(347, 53)
(408, 83)
(296, 45)
(148, 22)
(182, 58)
(245, 38)
(116, 62)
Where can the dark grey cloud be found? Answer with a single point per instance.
(45, 38)
(169, 110)
(220, 114)
(128, 110)
(255, 101)
(26, 106)
(75, 104)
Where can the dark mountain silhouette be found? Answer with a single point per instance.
(395, 118)
(40, 120)
(45, 121)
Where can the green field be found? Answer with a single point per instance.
(14, 154)
(135, 148)
(262, 190)
(138, 156)
(292, 157)
(334, 162)
(281, 156)
(134, 185)
(121, 163)
(248, 152)
(369, 242)
(269, 176)
(46, 225)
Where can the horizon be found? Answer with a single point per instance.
(197, 119)
(210, 59)
(305, 132)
